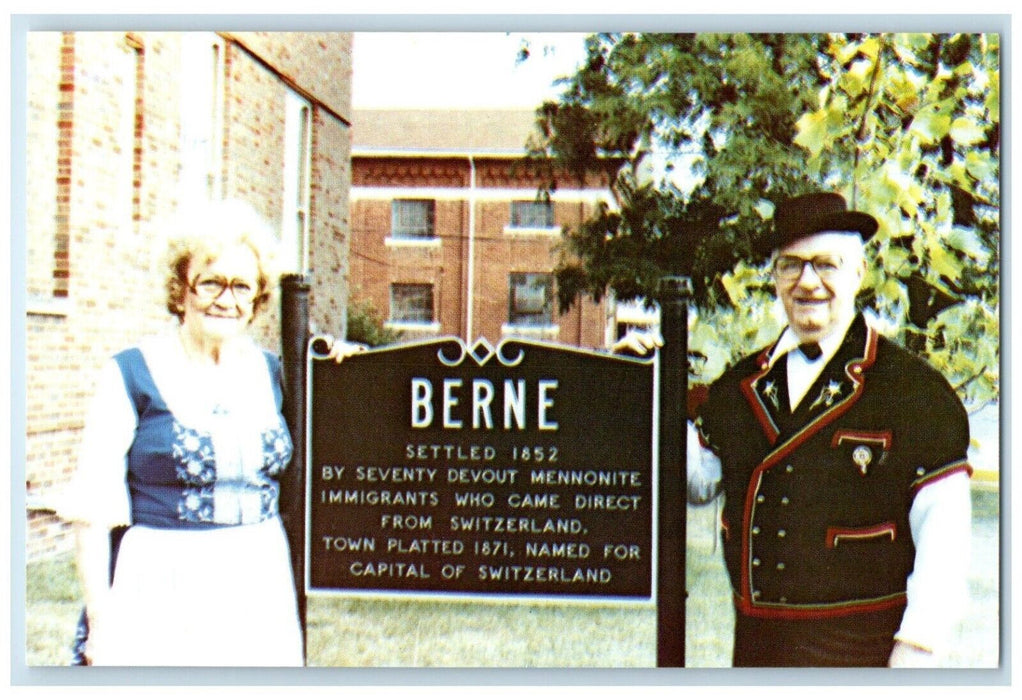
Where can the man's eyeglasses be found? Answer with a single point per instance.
(790, 267)
(210, 289)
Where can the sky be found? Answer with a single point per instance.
(459, 69)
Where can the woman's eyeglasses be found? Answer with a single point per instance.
(211, 288)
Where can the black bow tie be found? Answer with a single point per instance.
(810, 350)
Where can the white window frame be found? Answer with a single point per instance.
(395, 238)
(413, 324)
(548, 327)
(517, 229)
(202, 97)
(297, 183)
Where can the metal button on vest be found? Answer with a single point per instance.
(780, 566)
(789, 469)
(760, 498)
(755, 529)
(785, 501)
(755, 562)
(782, 533)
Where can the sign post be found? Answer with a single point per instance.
(294, 321)
(671, 532)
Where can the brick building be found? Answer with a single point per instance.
(123, 128)
(448, 237)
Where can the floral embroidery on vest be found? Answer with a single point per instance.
(196, 469)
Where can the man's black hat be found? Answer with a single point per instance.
(807, 214)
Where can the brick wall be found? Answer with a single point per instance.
(103, 167)
(328, 255)
(318, 63)
(375, 265)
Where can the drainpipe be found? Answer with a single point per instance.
(470, 283)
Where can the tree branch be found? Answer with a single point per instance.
(860, 133)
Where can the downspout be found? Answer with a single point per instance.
(470, 283)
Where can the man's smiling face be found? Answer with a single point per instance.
(817, 279)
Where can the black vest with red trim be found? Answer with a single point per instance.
(816, 510)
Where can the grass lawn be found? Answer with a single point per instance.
(375, 633)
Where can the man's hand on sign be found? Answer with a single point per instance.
(638, 343)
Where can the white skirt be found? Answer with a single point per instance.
(217, 597)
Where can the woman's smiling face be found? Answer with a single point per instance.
(219, 302)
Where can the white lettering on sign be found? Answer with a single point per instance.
(480, 414)
(598, 501)
(388, 569)
(462, 453)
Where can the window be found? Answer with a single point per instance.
(411, 303)
(412, 218)
(297, 194)
(531, 299)
(202, 103)
(532, 214)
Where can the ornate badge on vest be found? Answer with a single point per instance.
(862, 456)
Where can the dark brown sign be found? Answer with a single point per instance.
(525, 468)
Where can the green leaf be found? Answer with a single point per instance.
(894, 291)
(943, 263)
(856, 80)
(966, 240)
(930, 125)
(903, 89)
(966, 131)
(981, 165)
(895, 259)
(811, 131)
(765, 208)
(736, 292)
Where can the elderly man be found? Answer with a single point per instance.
(842, 460)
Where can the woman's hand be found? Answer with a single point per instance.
(93, 562)
(97, 636)
(340, 349)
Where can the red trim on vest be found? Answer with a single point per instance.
(882, 438)
(758, 409)
(855, 370)
(942, 473)
(818, 612)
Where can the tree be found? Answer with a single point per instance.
(366, 327)
(699, 134)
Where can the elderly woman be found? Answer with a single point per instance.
(184, 442)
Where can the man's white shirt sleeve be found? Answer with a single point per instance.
(940, 518)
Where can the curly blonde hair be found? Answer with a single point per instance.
(202, 232)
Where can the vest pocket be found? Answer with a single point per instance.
(862, 449)
(881, 531)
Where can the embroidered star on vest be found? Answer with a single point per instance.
(770, 391)
(828, 394)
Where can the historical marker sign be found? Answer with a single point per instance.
(525, 469)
